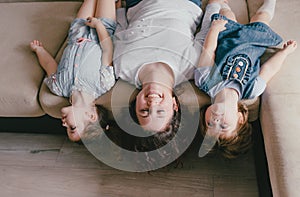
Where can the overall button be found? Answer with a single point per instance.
(235, 75)
(241, 63)
(238, 69)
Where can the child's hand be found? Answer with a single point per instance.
(219, 25)
(289, 47)
(92, 22)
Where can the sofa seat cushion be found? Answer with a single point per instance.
(280, 107)
(21, 76)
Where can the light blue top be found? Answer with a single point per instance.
(80, 68)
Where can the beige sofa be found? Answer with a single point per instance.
(22, 93)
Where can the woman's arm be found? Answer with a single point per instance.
(273, 65)
(207, 56)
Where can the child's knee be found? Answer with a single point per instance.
(228, 13)
(261, 17)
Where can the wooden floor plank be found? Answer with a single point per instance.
(30, 141)
(51, 165)
(235, 186)
(77, 156)
(45, 181)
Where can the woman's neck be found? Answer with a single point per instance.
(157, 72)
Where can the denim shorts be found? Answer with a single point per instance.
(255, 34)
(131, 3)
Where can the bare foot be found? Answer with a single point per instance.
(36, 45)
(289, 47)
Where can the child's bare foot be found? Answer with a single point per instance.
(35, 45)
(289, 47)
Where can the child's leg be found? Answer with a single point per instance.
(226, 11)
(265, 13)
(213, 7)
(87, 9)
(45, 59)
(106, 9)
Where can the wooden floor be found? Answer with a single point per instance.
(44, 165)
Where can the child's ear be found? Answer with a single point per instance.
(241, 118)
(93, 117)
(175, 105)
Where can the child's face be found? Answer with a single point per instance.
(221, 120)
(155, 107)
(75, 120)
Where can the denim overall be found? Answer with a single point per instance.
(238, 54)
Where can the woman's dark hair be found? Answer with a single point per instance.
(236, 145)
(141, 147)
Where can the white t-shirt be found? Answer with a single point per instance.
(158, 31)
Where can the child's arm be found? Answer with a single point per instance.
(105, 40)
(207, 56)
(47, 62)
(273, 65)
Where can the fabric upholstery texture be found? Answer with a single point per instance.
(21, 76)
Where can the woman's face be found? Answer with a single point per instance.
(155, 107)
